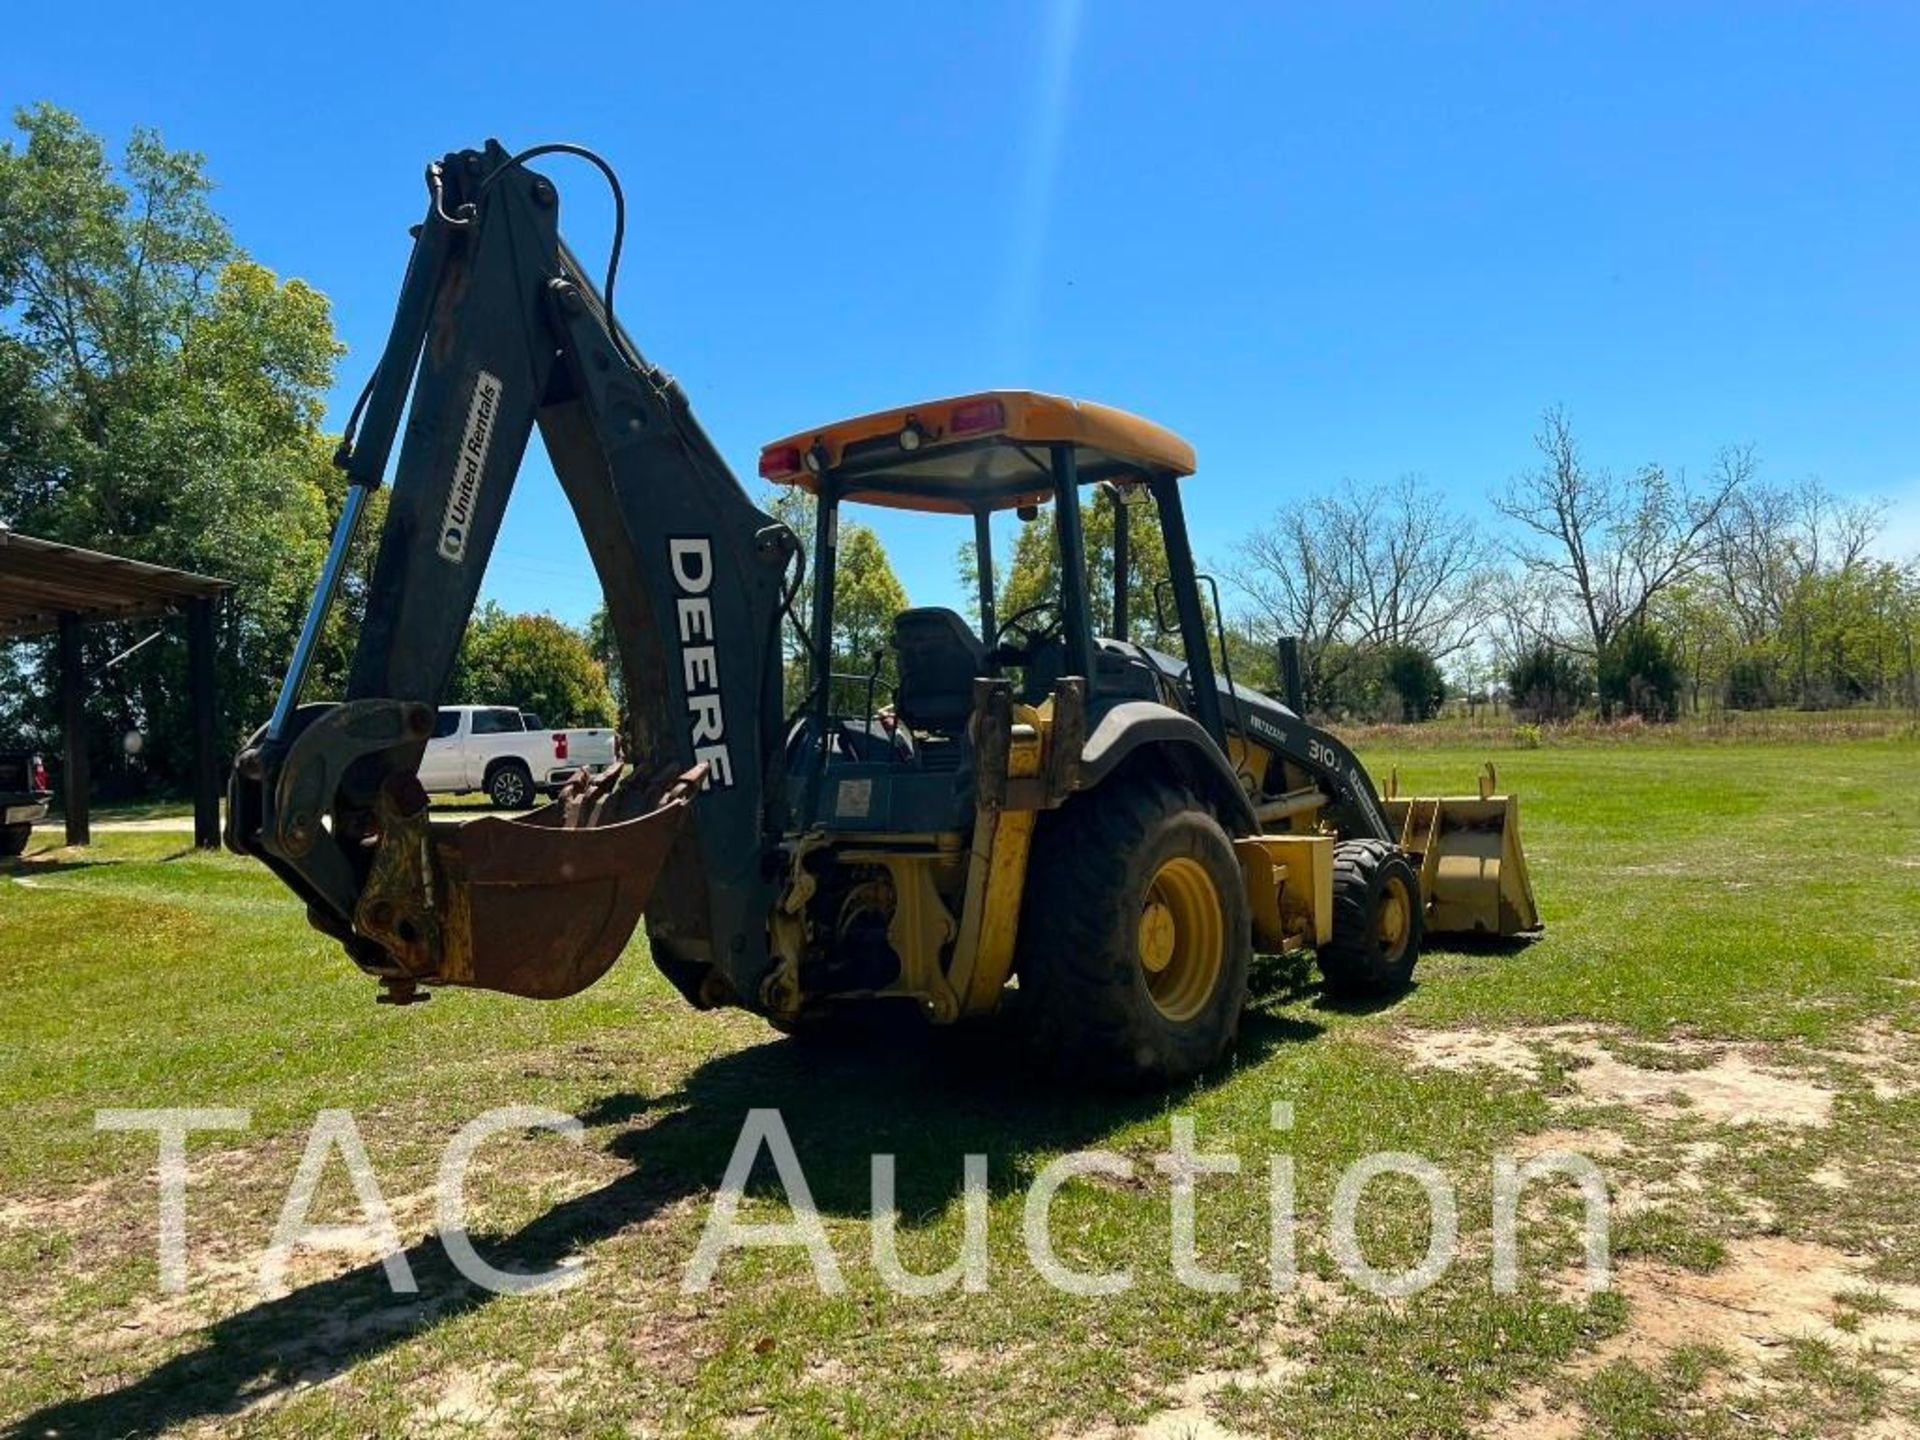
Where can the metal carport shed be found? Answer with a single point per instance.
(48, 588)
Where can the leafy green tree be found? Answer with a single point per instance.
(1548, 683)
(531, 662)
(1032, 572)
(1254, 659)
(1847, 634)
(160, 397)
(867, 594)
(1639, 674)
(602, 645)
(866, 597)
(1750, 681)
(1414, 680)
(1704, 634)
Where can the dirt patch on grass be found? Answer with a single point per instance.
(1184, 1410)
(56, 1211)
(1760, 1302)
(1534, 1413)
(1769, 1290)
(469, 1404)
(1733, 1089)
(1596, 1144)
(1888, 1058)
(1731, 1084)
(1768, 1294)
(1508, 1052)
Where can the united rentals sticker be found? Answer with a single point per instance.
(469, 467)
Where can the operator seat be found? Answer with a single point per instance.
(939, 658)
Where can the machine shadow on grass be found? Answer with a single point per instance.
(57, 859)
(921, 1100)
(1478, 946)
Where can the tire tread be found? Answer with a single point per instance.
(1076, 966)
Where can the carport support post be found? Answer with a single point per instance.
(206, 785)
(73, 731)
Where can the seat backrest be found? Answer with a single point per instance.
(939, 658)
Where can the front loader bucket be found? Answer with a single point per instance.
(540, 906)
(1473, 872)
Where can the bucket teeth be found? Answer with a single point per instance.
(540, 906)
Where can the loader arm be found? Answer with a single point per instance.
(498, 331)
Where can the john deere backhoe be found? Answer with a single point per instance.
(1109, 827)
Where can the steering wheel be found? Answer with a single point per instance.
(1034, 626)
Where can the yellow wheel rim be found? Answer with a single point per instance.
(1183, 938)
(1394, 918)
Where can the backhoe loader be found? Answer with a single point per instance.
(1109, 828)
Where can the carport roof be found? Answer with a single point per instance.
(40, 581)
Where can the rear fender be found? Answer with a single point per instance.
(1136, 731)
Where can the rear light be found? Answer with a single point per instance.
(779, 461)
(40, 781)
(977, 415)
(560, 745)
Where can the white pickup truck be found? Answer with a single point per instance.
(508, 754)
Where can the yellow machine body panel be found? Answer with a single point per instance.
(1289, 882)
(997, 877)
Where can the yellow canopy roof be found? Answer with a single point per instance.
(990, 450)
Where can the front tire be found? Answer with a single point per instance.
(1135, 937)
(510, 787)
(1378, 921)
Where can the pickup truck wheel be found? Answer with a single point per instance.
(510, 786)
(13, 839)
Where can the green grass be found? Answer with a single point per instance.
(1665, 1235)
(1760, 894)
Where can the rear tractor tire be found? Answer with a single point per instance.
(1135, 937)
(510, 786)
(1378, 922)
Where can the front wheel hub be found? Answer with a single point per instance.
(1157, 937)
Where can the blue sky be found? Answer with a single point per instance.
(1322, 242)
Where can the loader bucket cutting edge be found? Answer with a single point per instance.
(1473, 871)
(540, 906)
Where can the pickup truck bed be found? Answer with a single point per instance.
(490, 748)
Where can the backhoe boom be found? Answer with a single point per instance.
(498, 331)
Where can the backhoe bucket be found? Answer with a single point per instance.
(1473, 872)
(540, 906)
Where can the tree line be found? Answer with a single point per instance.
(162, 396)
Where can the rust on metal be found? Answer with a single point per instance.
(539, 906)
